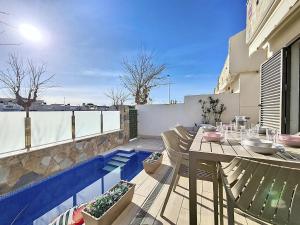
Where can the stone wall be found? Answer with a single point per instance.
(21, 169)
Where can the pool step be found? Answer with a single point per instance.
(121, 159)
(109, 168)
(127, 155)
(116, 163)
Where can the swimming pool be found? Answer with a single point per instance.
(40, 203)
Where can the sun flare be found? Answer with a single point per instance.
(30, 32)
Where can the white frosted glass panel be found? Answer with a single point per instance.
(111, 120)
(50, 127)
(89, 193)
(112, 178)
(87, 123)
(12, 132)
(51, 215)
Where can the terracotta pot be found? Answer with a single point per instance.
(113, 212)
(150, 167)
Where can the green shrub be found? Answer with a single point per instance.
(154, 156)
(98, 207)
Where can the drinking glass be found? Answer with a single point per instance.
(253, 132)
(271, 134)
(219, 125)
(232, 126)
(243, 133)
(226, 132)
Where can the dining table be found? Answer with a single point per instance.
(225, 151)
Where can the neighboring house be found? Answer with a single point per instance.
(9, 104)
(240, 74)
(274, 26)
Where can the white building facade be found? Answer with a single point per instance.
(240, 74)
(274, 26)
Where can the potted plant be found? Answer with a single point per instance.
(107, 207)
(211, 108)
(152, 162)
(205, 111)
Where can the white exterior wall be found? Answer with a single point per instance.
(235, 86)
(250, 95)
(239, 59)
(285, 36)
(153, 119)
(238, 62)
(275, 33)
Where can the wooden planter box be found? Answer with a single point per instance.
(113, 212)
(150, 167)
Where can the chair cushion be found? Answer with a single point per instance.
(72, 216)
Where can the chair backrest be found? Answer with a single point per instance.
(182, 132)
(171, 140)
(173, 145)
(268, 192)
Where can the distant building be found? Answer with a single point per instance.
(91, 107)
(9, 104)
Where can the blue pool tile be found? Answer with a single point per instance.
(43, 201)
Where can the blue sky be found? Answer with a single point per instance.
(83, 42)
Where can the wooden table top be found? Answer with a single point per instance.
(231, 148)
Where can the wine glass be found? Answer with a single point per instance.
(243, 133)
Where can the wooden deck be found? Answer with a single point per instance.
(150, 193)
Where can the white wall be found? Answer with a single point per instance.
(250, 95)
(239, 59)
(153, 119)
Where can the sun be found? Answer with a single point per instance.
(30, 32)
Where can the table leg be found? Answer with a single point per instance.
(220, 196)
(193, 189)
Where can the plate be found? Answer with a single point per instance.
(290, 140)
(213, 136)
(209, 128)
(258, 142)
(261, 147)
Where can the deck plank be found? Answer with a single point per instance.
(177, 210)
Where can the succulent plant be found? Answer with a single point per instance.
(154, 156)
(98, 207)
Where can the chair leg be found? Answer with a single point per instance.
(230, 211)
(215, 191)
(221, 200)
(175, 174)
(176, 182)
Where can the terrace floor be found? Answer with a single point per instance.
(148, 144)
(149, 196)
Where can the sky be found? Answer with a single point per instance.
(83, 42)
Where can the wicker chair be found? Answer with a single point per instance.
(184, 133)
(267, 192)
(178, 154)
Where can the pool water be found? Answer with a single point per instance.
(42, 202)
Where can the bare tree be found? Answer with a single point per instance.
(2, 31)
(24, 81)
(141, 76)
(118, 97)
